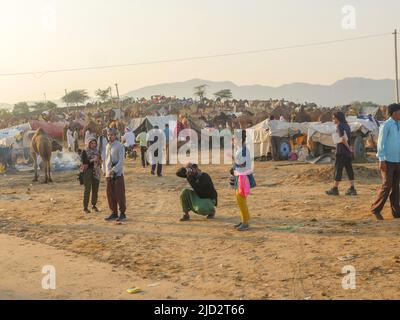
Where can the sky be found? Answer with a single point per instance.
(39, 35)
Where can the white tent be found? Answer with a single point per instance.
(7, 136)
(262, 132)
(316, 131)
(322, 132)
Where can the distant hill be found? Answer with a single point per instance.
(341, 92)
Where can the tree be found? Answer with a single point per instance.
(44, 106)
(20, 107)
(103, 95)
(224, 94)
(76, 96)
(200, 91)
(4, 114)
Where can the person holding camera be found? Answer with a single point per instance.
(203, 198)
(91, 172)
(115, 156)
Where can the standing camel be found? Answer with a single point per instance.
(43, 145)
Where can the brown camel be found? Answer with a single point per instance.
(43, 145)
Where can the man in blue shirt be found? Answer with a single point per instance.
(389, 164)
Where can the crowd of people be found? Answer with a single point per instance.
(105, 156)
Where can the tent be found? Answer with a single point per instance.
(316, 132)
(147, 123)
(322, 132)
(53, 129)
(262, 132)
(7, 136)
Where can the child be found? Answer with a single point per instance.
(244, 181)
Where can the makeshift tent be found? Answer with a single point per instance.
(53, 129)
(147, 123)
(322, 132)
(316, 132)
(7, 136)
(262, 132)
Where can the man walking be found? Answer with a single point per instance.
(155, 150)
(129, 140)
(115, 155)
(389, 164)
(142, 139)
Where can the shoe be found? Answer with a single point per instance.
(243, 227)
(95, 209)
(351, 192)
(185, 217)
(152, 173)
(211, 216)
(159, 175)
(122, 217)
(333, 192)
(396, 216)
(86, 210)
(378, 216)
(237, 225)
(112, 217)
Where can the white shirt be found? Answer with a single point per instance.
(129, 138)
(70, 138)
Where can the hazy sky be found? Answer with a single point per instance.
(38, 35)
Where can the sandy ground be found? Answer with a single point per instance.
(299, 242)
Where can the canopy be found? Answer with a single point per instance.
(53, 129)
(7, 136)
(147, 123)
(316, 131)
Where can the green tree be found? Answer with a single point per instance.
(224, 94)
(20, 107)
(44, 106)
(76, 96)
(103, 95)
(4, 114)
(200, 91)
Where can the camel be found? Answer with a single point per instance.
(43, 146)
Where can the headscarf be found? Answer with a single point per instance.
(91, 154)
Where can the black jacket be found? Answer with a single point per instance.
(201, 184)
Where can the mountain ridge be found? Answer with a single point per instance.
(343, 91)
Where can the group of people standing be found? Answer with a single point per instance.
(388, 153)
(104, 156)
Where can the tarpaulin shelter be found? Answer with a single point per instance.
(147, 123)
(53, 129)
(7, 136)
(322, 132)
(262, 133)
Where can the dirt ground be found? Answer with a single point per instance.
(298, 244)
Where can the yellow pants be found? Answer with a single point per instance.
(244, 210)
